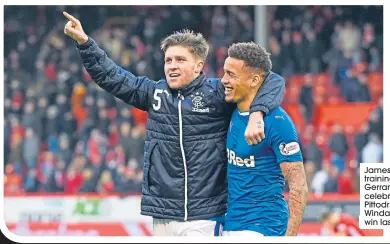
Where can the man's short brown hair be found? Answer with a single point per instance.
(195, 41)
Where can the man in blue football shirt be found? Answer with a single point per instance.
(257, 173)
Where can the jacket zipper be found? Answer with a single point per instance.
(181, 97)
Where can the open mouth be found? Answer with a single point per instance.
(174, 75)
(228, 90)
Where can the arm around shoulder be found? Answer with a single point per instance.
(270, 94)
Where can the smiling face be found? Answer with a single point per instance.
(236, 80)
(240, 82)
(181, 66)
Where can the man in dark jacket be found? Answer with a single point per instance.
(185, 186)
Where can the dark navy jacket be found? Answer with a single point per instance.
(185, 158)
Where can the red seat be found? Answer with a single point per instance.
(319, 99)
(335, 99)
(333, 90)
(292, 94)
(375, 77)
(322, 78)
(295, 80)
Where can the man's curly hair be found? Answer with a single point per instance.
(255, 57)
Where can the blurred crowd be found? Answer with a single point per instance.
(62, 133)
(332, 55)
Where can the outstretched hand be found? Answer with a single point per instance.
(74, 30)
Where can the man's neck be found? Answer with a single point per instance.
(245, 104)
(187, 85)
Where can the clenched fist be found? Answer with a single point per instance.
(254, 132)
(74, 30)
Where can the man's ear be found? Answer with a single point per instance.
(199, 66)
(257, 80)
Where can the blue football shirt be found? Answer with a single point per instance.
(255, 180)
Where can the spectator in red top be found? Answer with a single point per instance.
(17, 129)
(74, 179)
(349, 224)
(93, 152)
(12, 181)
(113, 135)
(16, 152)
(345, 182)
(336, 223)
(51, 73)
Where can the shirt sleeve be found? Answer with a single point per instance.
(133, 90)
(284, 140)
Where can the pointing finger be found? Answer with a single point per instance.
(70, 17)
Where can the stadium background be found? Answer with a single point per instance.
(73, 153)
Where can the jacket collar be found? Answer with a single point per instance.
(268, 76)
(192, 86)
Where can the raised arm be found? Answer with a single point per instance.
(131, 89)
